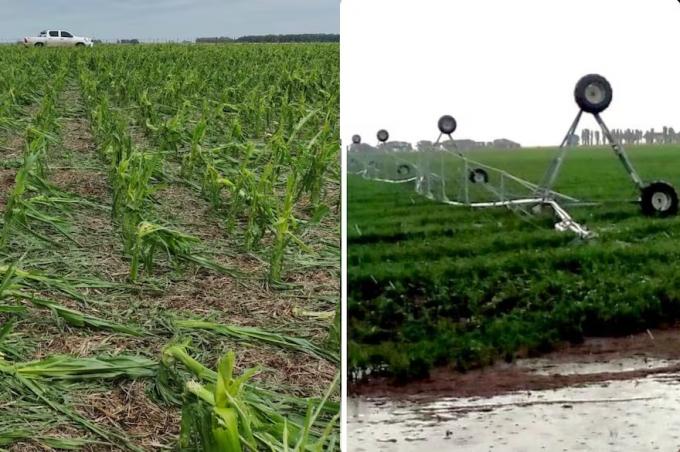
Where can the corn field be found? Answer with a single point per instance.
(170, 248)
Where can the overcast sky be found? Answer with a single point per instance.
(505, 68)
(167, 19)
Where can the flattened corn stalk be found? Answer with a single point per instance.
(221, 411)
(250, 334)
(13, 287)
(22, 205)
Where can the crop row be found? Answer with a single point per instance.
(431, 284)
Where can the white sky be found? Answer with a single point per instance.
(505, 69)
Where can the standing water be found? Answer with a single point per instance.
(640, 414)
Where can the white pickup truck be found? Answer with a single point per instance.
(57, 38)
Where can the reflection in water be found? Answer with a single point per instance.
(628, 415)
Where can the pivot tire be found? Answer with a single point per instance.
(403, 170)
(659, 199)
(356, 139)
(447, 124)
(383, 135)
(478, 176)
(593, 94)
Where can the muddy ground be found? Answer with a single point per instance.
(507, 377)
(607, 394)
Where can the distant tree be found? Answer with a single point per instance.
(218, 40)
(291, 38)
(318, 37)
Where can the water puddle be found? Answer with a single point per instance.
(545, 366)
(626, 415)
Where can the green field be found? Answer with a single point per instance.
(169, 247)
(432, 284)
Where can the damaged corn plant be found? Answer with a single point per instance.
(32, 203)
(136, 175)
(223, 411)
(244, 143)
(154, 194)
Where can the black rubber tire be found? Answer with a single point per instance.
(478, 176)
(356, 139)
(447, 124)
(593, 93)
(383, 135)
(80, 44)
(39, 44)
(403, 170)
(659, 199)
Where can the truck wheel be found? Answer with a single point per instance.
(447, 124)
(659, 199)
(80, 44)
(478, 176)
(593, 93)
(39, 44)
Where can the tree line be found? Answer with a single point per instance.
(667, 135)
(308, 37)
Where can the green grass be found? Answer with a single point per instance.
(431, 284)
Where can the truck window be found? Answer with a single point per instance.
(66, 34)
(54, 34)
(43, 33)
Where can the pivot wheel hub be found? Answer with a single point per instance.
(659, 199)
(478, 176)
(595, 93)
(403, 170)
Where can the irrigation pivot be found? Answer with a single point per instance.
(443, 173)
(593, 94)
(502, 189)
